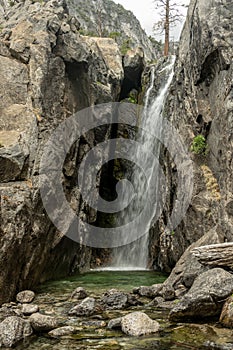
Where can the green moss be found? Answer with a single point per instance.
(199, 145)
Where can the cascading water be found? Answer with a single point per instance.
(135, 255)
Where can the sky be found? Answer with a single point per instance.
(145, 12)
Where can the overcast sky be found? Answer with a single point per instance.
(147, 15)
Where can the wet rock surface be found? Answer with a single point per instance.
(226, 317)
(12, 330)
(206, 296)
(43, 323)
(87, 307)
(62, 331)
(138, 324)
(105, 327)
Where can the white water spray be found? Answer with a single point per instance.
(134, 256)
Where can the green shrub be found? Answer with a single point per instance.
(114, 35)
(199, 145)
(126, 46)
(132, 99)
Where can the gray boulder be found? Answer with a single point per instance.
(114, 299)
(206, 296)
(26, 296)
(43, 323)
(79, 293)
(12, 330)
(60, 332)
(29, 309)
(138, 324)
(86, 308)
(148, 291)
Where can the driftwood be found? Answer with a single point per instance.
(218, 255)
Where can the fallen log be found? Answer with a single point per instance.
(217, 255)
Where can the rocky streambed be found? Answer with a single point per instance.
(103, 310)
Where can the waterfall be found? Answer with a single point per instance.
(135, 255)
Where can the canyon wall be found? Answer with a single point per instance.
(48, 72)
(200, 102)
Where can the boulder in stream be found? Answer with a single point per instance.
(43, 323)
(114, 300)
(87, 307)
(62, 331)
(138, 324)
(79, 293)
(29, 309)
(148, 291)
(13, 329)
(26, 296)
(206, 296)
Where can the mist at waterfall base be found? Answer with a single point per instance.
(135, 256)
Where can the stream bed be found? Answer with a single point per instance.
(91, 333)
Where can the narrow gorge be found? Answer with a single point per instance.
(116, 198)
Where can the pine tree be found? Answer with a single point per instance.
(170, 14)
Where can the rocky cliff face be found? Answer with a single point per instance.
(48, 72)
(201, 103)
(121, 25)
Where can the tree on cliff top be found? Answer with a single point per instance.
(170, 14)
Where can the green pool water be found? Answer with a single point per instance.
(54, 299)
(99, 281)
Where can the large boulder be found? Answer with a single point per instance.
(206, 296)
(138, 324)
(87, 307)
(43, 323)
(226, 317)
(114, 299)
(13, 329)
(148, 291)
(188, 268)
